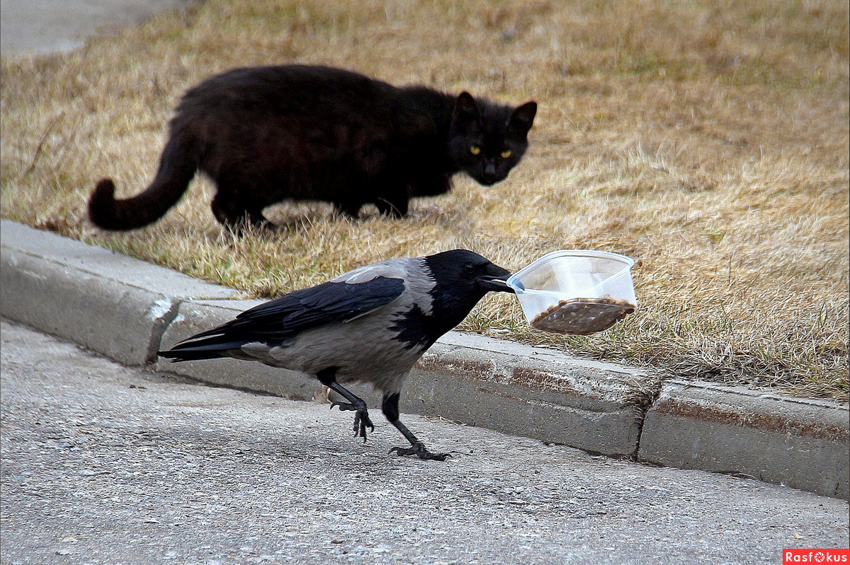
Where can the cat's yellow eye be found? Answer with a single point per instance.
(506, 153)
(474, 149)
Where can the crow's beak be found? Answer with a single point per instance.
(495, 283)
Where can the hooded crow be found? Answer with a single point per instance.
(368, 325)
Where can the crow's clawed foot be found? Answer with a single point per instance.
(419, 450)
(361, 418)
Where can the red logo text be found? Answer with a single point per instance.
(816, 556)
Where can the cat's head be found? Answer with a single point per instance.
(487, 140)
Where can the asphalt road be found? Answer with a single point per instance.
(44, 26)
(107, 464)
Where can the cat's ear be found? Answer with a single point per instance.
(466, 107)
(522, 118)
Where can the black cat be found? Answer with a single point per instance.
(266, 134)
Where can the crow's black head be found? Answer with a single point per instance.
(461, 278)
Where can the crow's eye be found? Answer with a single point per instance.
(469, 269)
(474, 149)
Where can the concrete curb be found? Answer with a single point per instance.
(796, 442)
(127, 309)
(110, 303)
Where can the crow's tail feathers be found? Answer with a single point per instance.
(194, 349)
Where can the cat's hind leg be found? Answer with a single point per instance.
(394, 208)
(349, 209)
(391, 195)
(235, 215)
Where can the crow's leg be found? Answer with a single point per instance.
(361, 419)
(390, 408)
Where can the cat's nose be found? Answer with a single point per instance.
(489, 176)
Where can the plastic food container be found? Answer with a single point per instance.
(576, 292)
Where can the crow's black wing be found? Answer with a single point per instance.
(319, 305)
(287, 316)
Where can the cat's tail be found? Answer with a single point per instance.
(177, 167)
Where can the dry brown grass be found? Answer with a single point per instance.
(708, 140)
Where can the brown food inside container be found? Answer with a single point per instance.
(582, 316)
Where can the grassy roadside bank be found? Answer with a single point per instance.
(709, 141)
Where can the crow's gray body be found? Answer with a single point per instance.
(368, 325)
(382, 359)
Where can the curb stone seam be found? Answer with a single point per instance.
(162, 318)
(640, 417)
